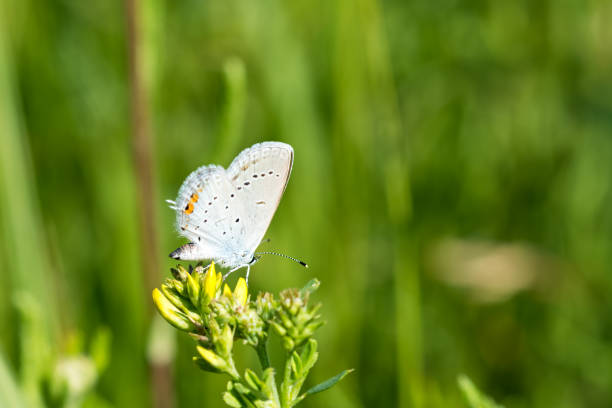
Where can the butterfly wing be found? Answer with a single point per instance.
(259, 176)
(225, 213)
(204, 204)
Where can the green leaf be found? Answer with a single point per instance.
(296, 366)
(474, 397)
(10, 394)
(269, 379)
(100, 348)
(230, 400)
(253, 381)
(36, 354)
(309, 355)
(328, 383)
(310, 287)
(232, 113)
(242, 389)
(239, 393)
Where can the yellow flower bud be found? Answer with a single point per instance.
(219, 277)
(212, 358)
(193, 289)
(241, 292)
(227, 292)
(169, 312)
(210, 282)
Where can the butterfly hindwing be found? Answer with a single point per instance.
(203, 206)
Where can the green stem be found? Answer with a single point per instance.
(232, 372)
(262, 353)
(264, 361)
(285, 388)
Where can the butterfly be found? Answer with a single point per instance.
(225, 213)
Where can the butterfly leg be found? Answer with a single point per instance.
(228, 274)
(248, 266)
(233, 270)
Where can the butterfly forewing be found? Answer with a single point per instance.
(260, 175)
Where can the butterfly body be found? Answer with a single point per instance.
(225, 212)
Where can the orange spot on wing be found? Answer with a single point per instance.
(194, 198)
(189, 208)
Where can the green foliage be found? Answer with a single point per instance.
(10, 394)
(50, 377)
(474, 397)
(226, 317)
(328, 383)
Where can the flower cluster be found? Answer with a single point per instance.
(294, 321)
(216, 317)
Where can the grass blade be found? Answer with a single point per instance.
(328, 383)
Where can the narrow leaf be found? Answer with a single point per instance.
(253, 381)
(474, 397)
(328, 383)
(309, 356)
(100, 348)
(269, 379)
(10, 394)
(296, 365)
(230, 400)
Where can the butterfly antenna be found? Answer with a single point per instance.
(304, 264)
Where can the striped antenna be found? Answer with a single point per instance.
(304, 264)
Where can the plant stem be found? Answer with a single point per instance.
(231, 370)
(285, 388)
(262, 353)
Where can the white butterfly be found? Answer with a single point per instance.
(225, 213)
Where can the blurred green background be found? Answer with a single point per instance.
(451, 188)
